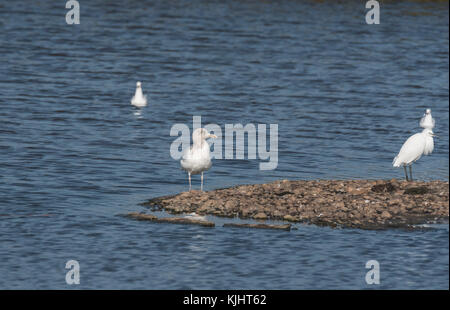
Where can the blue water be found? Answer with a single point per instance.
(74, 154)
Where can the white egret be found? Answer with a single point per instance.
(417, 145)
(427, 121)
(198, 158)
(139, 99)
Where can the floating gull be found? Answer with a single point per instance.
(427, 121)
(195, 216)
(139, 99)
(198, 159)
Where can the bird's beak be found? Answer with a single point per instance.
(212, 136)
(433, 135)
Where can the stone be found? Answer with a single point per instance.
(263, 226)
(260, 216)
(289, 218)
(386, 215)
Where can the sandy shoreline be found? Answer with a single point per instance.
(366, 204)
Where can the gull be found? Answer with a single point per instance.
(198, 158)
(195, 216)
(427, 121)
(139, 99)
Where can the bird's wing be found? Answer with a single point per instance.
(411, 150)
(188, 153)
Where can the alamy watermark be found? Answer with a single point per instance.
(73, 275)
(373, 275)
(73, 16)
(256, 141)
(373, 15)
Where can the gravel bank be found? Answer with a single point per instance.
(366, 204)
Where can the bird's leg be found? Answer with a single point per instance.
(201, 186)
(189, 175)
(406, 172)
(410, 173)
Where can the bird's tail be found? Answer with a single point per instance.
(396, 162)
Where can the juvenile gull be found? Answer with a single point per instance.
(198, 158)
(139, 99)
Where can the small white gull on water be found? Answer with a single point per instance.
(427, 121)
(198, 158)
(139, 99)
(195, 216)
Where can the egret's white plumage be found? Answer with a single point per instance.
(417, 145)
(198, 158)
(139, 99)
(427, 121)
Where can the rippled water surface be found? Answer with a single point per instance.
(74, 154)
